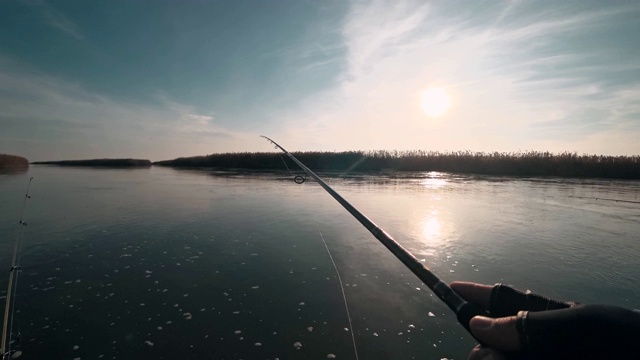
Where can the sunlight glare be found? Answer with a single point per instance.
(431, 229)
(435, 102)
(434, 180)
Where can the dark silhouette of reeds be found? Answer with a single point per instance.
(99, 163)
(529, 163)
(12, 162)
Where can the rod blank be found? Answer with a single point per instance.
(464, 310)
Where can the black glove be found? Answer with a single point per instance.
(530, 326)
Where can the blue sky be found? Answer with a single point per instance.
(162, 79)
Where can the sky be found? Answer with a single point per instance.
(164, 79)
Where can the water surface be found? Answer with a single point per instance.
(162, 263)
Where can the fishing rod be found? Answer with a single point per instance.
(7, 325)
(463, 310)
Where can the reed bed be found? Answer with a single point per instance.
(529, 163)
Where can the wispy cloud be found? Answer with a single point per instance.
(57, 19)
(201, 119)
(44, 112)
(518, 78)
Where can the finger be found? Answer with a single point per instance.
(501, 333)
(507, 301)
(476, 293)
(484, 353)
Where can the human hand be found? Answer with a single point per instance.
(528, 326)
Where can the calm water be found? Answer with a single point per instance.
(161, 263)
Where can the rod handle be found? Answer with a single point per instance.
(466, 312)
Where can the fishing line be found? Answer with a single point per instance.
(9, 310)
(298, 179)
(464, 311)
(344, 297)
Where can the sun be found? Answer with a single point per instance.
(435, 102)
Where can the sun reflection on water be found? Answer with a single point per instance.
(434, 180)
(431, 228)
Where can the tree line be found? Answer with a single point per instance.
(12, 161)
(99, 163)
(530, 163)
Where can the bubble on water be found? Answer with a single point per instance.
(297, 345)
(375, 334)
(400, 333)
(237, 332)
(76, 347)
(159, 328)
(148, 342)
(255, 287)
(346, 329)
(141, 304)
(331, 356)
(310, 328)
(431, 314)
(148, 272)
(301, 303)
(236, 312)
(258, 344)
(411, 326)
(187, 316)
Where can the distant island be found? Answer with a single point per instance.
(118, 163)
(530, 163)
(13, 162)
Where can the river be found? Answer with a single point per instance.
(161, 263)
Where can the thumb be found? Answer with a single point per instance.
(500, 333)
